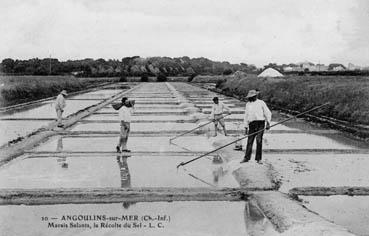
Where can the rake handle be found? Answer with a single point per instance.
(293, 117)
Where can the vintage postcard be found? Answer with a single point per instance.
(184, 118)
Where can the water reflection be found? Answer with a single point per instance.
(219, 170)
(201, 180)
(62, 159)
(125, 176)
(256, 222)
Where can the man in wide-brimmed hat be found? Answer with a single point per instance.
(125, 112)
(257, 118)
(59, 107)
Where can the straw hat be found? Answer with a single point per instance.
(252, 93)
(64, 92)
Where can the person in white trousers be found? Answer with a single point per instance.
(125, 112)
(59, 107)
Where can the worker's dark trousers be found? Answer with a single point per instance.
(255, 126)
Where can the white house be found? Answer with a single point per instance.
(353, 67)
(319, 67)
(287, 69)
(306, 65)
(338, 68)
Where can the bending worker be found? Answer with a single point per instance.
(59, 107)
(257, 117)
(125, 112)
(217, 114)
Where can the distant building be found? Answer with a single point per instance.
(297, 69)
(318, 67)
(288, 69)
(306, 65)
(338, 68)
(351, 66)
(292, 69)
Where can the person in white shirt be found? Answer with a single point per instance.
(59, 107)
(217, 114)
(257, 118)
(125, 112)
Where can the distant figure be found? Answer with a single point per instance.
(59, 144)
(256, 115)
(125, 112)
(217, 114)
(59, 107)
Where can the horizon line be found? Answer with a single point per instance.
(221, 61)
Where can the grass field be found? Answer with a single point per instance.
(19, 89)
(209, 78)
(348, 95)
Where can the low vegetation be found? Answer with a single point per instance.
(209, 78)
(161, 78)
(144, 78)
(19, 89)
(127, 66)
(348, 95)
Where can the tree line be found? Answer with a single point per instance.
(127, 66)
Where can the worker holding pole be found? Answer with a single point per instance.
(257, 118)
(59, 107)
(250, 134)
(217, 114)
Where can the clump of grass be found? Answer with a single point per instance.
(348, 95)
(19, 89)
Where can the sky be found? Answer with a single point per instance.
(254, 32)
